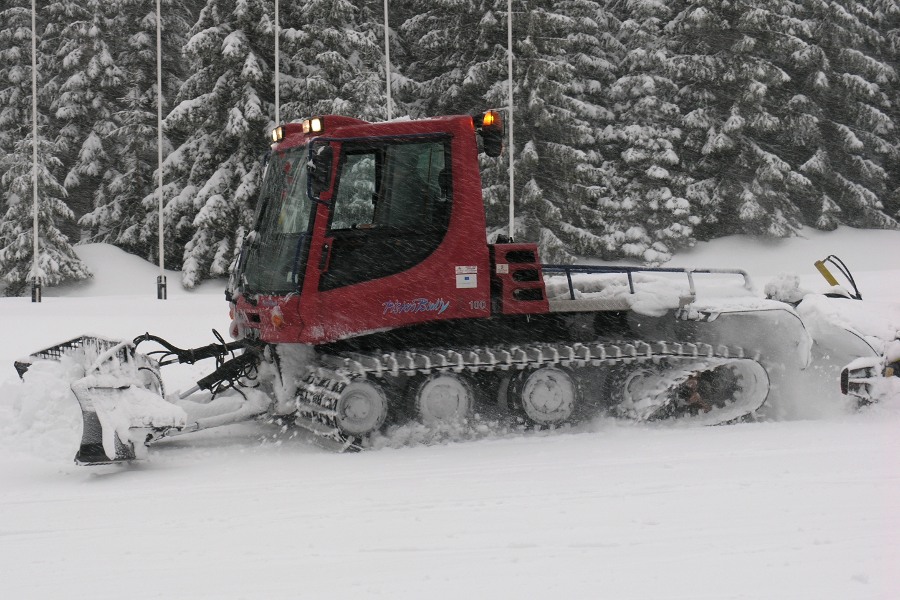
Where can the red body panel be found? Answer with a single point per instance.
(454, 282)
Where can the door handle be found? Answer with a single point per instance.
(325, 258)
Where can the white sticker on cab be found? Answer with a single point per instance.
(467, 280)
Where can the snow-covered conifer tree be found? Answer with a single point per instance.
(646, 214)
(887, 13)
(223, 113)
(57, 261)
(732, 97)
(848, 87)
(561, 59)
(459, 60)
(15, 74)
(457, 52)
(83, 86)
(332, 61)
(120, 154)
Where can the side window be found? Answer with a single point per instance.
(391, 209)
(413, 195)
(354, 204)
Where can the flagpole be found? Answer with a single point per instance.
(509, 65)
(277, 69)
(161, 279)
(36, 279)
(387, 59)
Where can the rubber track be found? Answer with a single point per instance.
(322, 385)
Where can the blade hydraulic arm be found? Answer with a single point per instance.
(173, 353)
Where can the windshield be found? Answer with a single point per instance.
(277, 248)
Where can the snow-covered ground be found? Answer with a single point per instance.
(794, 509)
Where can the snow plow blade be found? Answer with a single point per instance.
(119, 419)
(120, 395)
(91, 451)
(123, 404)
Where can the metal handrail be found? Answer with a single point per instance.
(629, 271)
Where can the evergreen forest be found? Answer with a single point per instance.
(641, 126)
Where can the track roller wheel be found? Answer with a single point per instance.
(443, 398)
(548, 395)
(639, 384)
(642, 392)
(361, 408)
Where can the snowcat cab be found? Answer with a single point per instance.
(364, 227)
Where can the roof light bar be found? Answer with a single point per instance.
(313, 125)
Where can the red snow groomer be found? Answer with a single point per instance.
(367, 297)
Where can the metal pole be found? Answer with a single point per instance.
(36, 279)
(161, 279)
(387, 59)
(509, 58)
(277, 69)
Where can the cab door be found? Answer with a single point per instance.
(390, 210)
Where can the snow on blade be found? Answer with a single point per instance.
(122, 408)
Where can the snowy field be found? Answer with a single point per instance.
(794, 508)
